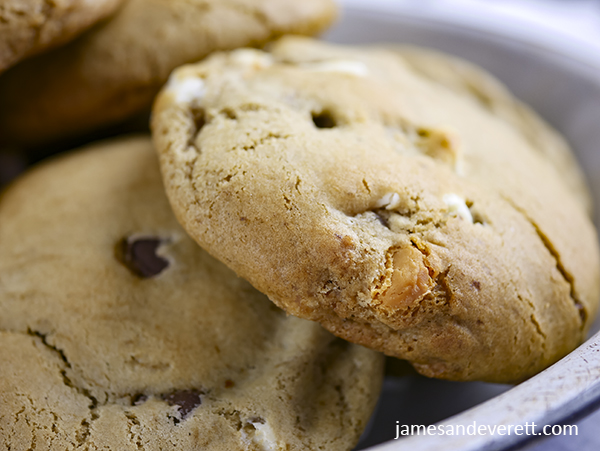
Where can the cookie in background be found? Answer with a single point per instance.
(114, 71)
(29, 27)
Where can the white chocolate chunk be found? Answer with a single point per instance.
(457, 207)
(186, 89)
(251, 57)
(352, 67)
(389, 201)
(262, 437)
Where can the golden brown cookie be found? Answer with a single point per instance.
(115, 70)
(118, 332)
(469, 80)
(28, 27)
(399, 213)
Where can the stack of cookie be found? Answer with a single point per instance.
(372, 202)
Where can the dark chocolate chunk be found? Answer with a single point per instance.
(138, 399)
(324, 119)
(140, 257)
(186, 400)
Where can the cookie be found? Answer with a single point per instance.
(469, 80)
(28, 27)
(118, 332)
(114, 71)
(399, 213)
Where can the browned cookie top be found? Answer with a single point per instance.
(116, 69)
(117, 331)
(398, 212)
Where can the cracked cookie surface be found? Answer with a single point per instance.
(394, 209)
(28, 27)
(117, 331)
(115, 70)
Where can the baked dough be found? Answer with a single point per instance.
(115, 70)
(118, 332)
(28, 27)
(397, 211)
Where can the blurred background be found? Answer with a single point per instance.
(571, 26)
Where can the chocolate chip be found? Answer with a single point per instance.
(229, 383)
(229, 113)
(138, 399)
(476, 284)
(323, 119)
(199, 118)
(139, 256)
(186, 400)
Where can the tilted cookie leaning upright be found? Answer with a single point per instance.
(117, 331)
(399, 213)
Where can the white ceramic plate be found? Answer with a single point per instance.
(565, 89)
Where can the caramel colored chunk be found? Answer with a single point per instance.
(441, 144)
(410, 279)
